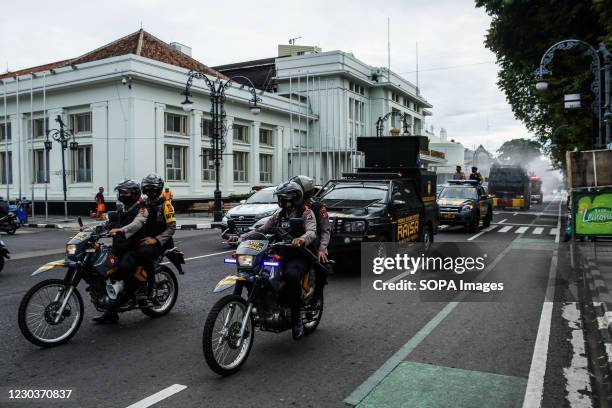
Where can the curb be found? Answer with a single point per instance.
(600, 296)
(54, 226)
(193, 226)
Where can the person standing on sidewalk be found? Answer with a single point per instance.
(167, 194)
(100, 203)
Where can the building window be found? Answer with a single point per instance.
(176, 124)
(395, 97)
(176, 163)
(208, 165)
(6, 166)
(81, 165)
(265, 137)
(353, 87)
(300, 138)
(356, 119)
(241, 133)
(80, 123)
(3, 130)
(207, 130)
(241, 166)
(38, 128)
(265, 168)
(38, 166)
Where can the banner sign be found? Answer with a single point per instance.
(593, 213)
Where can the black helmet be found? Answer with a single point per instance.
(128, 192)
(289, 194)
(152, 185)
(458, 168)
(474, 168)
(307, 184)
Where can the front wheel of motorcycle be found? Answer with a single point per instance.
(39, 310)
(224, 350)
(314, 314)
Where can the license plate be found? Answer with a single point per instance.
(447, 215)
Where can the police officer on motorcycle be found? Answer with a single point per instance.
(127, 230)
(159, 228)
(290, 197)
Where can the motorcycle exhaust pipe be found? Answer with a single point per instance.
(114, 289)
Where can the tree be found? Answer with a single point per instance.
(520, 32)
(519, 151)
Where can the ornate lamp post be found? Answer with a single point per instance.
(217, 89)
(62, 136)
(597, 55)
(380, 122)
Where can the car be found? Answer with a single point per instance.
(465, 202)
(241, 218)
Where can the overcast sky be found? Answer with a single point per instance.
(457, 73)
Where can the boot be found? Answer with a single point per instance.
(107, 318)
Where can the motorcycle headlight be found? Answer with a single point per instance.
(245, 260)
(71, 249)
(355, 226)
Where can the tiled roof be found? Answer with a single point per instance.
(139, 43)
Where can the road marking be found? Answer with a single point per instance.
(379, 375)
(521, 230)
(577, 377)
(515, 214)
(535, 382)
(502, 221)
(554, 231)
(505, 229)
(526, 225)
(537, 231)
(491, 228)
(155, 398)
(207, 255)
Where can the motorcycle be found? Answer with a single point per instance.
(9, 223)
(4, 253)
(51, 312)
(230, 325)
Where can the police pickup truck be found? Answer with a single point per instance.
(388, 200)
(465, 202)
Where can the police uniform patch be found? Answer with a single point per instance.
(169, 212)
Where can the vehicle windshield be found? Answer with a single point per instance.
(458, 192)
(262, 197)
(356, 192)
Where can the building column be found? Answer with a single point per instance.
(195, 145)
(100, 147)
(159, 155)
(227, 169)
(254, 156)
(279, 159)
(19, 149)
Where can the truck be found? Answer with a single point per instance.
(390, 199)
(509, 186)
(536, 189)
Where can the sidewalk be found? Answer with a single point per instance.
(183, 222)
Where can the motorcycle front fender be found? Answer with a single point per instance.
(54, 264)
(228, 282)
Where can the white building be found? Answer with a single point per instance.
(123, 103)
(453, 153)
(344, 96)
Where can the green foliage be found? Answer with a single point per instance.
(520, 33)
(519, 151)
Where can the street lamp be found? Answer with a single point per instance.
(217, 89)
(62, 136)
(380, 122)
(597, 56)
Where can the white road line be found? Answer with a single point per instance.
(521, 230)
(207, 255)
(158, 396)
(554, 231)
(515, 214)
(505, 229)
(491, 228)
(535, 383)
(537, 231)
(502, 221)
(526, 225)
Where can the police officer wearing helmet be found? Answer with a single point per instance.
(127, 232)
(290, 197)
(160, 225)
(320, 212)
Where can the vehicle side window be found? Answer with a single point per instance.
(408, 194)
(398, 197)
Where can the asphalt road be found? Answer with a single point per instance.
(367, 352)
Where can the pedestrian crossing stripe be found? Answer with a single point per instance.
(505, 229)
(521, 230)
(537, 231)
